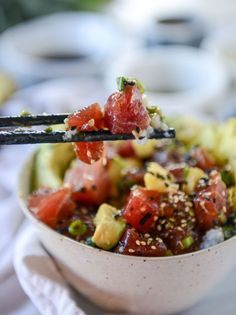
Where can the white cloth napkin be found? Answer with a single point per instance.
(40, 278)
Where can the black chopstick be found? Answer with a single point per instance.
(34, 136)
(29, 120)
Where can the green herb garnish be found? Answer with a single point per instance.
(77, 228)
(123, 81)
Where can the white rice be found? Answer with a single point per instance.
(212, 237)
(68, 134)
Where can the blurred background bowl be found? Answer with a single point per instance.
(61, 44)
(178, 29)
(180, 79)
(222, 43)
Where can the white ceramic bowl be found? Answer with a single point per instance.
(180, 79)
(26, 48)
(222, 43)
(142, 285)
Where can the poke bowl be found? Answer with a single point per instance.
(149, 229)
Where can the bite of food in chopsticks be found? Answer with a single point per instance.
(126, 115)
(150, 199)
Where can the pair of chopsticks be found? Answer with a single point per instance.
(19, 136)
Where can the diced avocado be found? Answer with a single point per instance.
(157, 170)
(144, 151)
(51, 162)
(157, 178)
(109, 229)
(118, 164)
(192, 177)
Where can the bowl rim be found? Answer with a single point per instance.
(28, 214)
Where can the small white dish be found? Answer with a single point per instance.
(222, 43)
(143, 285)
(180, 79)
(61, 44)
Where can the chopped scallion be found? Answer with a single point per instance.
(48, 129)
(25, 114)
(123, 81)
(77, 228)
(187, 241)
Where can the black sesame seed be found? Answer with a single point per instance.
(145, 218)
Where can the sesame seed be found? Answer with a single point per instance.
(153, 247)
(142, 209)
(146, 235)
(91, 122)
(202, 204)
(155, 218)
(183, 221)
(137, 242)
(158, 239)
(149, 241)
(143, 243)
(159, 227)
(131, 250)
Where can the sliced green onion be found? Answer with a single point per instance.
(187, 241)
(77, 228)
(227, 178)
(140, 86)
(123, 81)
(25, 114)
(48, 129)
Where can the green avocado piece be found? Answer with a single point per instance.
(109, 229)
(51, 162)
